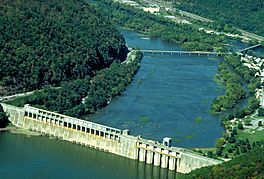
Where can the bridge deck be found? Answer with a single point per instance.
(171, 52)
(250, 48)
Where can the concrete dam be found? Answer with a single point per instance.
(107, 139)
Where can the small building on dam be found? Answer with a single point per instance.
(107, 139)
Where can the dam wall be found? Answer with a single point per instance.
(106, 138)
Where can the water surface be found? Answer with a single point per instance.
(165, 98)
(41, 157)
(170, 96)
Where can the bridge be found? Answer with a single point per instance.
(106, 138)
(169, 52)
(249, 48)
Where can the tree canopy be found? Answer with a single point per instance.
(3, 118)
(245, 14)
(249, 165)
(188, 36)
(48, 42)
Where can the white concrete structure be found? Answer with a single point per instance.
(151, 9)
(106, 138)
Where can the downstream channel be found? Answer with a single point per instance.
(170, 96)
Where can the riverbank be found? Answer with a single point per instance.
(188, 36)
(15, 130)
(244, 127)
(85, 96)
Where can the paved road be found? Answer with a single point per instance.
(3, 98)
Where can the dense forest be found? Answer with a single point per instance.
(3, 118)
(188, 36)
(245, 14)
(240, 82)
(49, 42)
(249, 165)
(85, 96)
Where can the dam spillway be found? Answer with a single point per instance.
(106, 138)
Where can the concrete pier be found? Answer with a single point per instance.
(172, 161)
(106, 138)
(164, 159)
(142, 153)
(157, 156)
(150, 154)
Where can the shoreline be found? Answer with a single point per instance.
(15, 130)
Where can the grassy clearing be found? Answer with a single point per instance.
(251, 135)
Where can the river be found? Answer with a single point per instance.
(169, 96)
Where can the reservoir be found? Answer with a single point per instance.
(170, 96)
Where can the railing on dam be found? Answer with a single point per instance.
(106, 138)
(71, 123)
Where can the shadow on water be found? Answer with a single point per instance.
(41, 157)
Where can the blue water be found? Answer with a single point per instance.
(134, 39)
(234, 45)
(166, 96)
(259, 52)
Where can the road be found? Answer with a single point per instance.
(3, 98)
(196, 17)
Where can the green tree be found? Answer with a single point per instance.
(240, 126)
(231, 139)
(261, 112)
(247, 165)
(210, 154)
(248, 121)
(3, 118)
(220, 142)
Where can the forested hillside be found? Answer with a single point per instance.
(48, 42)
(245, 14)
(85, 96)
(189, 37)
(249, 165)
